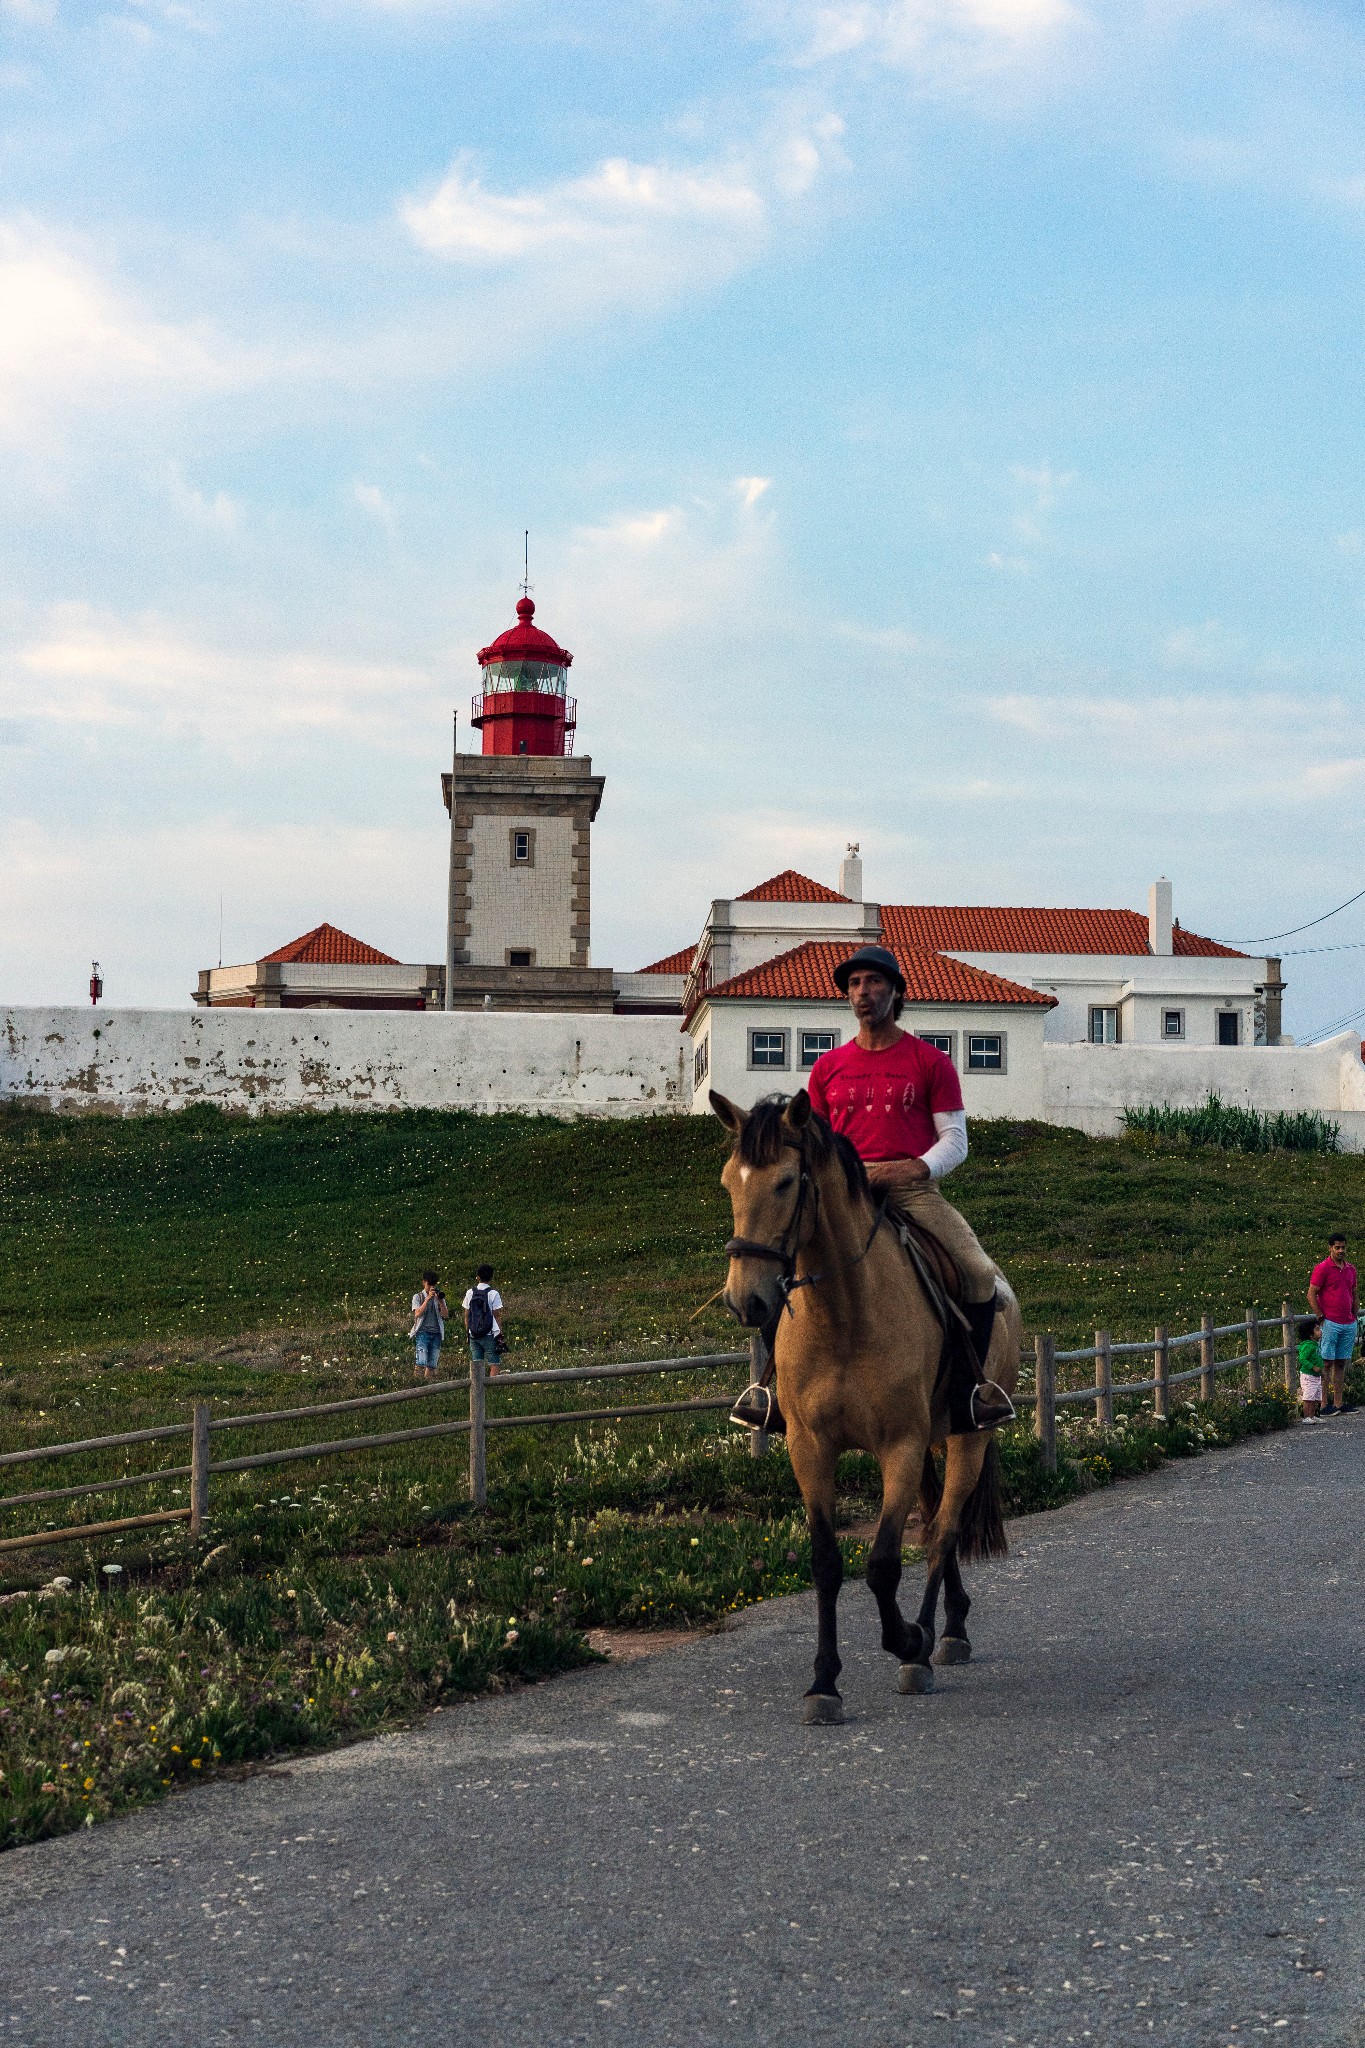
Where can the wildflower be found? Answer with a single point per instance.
(511, 1637)
(589, 1560)
(791, 1557)
(538, 1572)
(53, 1656)
(175, 1749)
(89, 1784)
(112, 1571)
(392, 1636)
(195, 1762)
(696, 1540)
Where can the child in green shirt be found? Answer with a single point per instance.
(1310, 1368)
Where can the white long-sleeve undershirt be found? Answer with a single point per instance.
(951, 1147)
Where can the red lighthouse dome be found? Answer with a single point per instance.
(524, 706)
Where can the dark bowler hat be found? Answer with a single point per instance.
(874, 958)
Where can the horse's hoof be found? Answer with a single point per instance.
(822, 1710)
(953, 1650)
(915, 1678)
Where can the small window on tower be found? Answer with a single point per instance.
(521, 956)
(522, 844)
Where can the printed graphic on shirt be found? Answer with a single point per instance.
(884, 1102)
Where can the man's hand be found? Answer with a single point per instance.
(893, 1175)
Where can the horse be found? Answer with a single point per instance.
(857, 1350)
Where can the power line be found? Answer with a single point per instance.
(1305, 952)
(1331, 1030)
(1294, 930)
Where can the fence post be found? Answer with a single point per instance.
(1045, 1397)
(478, 1435)
(1161, 1393)
(1253, 1352)
(1104, 1380)
(1208, 1367)
(199, 1467)
(758, 1438)
(1289, 1339)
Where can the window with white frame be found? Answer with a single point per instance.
(942, 1041)
(767, 1048)
(521, 844)
(1173, 1023)
(701, 1062)
(985, 1052)
(813, 1043)
(1104, 1024)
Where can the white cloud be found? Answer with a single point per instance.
(95, 670)
(371, 499)
(749, 489)
(613, 205)
(220, 513)
(69, 337)
(945, 38)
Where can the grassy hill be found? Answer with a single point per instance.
(268, 1264)
(173, 1233)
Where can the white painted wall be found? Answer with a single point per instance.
(521, 906)
(738, 936)
(725, 1028)
(130, 1060)
(1086, 1086)
(1140, 986)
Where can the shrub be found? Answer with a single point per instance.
(1230, 1129)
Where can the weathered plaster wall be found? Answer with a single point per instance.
(1086, 1086)
(129, 1060)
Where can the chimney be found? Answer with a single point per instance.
(1159, 918)
(851, 875)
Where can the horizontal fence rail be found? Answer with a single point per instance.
(201, 1424)
(1101, 1389)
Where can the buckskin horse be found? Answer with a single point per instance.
(858, 1347)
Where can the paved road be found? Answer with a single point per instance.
(1135, 1819)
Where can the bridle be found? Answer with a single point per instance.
(784, 1254)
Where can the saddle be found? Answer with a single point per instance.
(953, 1403)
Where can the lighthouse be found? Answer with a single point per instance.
(524, 706)
(521, 812)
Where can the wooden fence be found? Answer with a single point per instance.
(202, 1424)
(1048, 1397)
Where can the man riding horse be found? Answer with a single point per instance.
(898, 1100)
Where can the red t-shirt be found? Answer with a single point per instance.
(884, 1102)
(1336, 1287)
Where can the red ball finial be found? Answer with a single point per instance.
(526, 610)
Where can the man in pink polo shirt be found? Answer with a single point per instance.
(1332, 1295)
(898, 1101)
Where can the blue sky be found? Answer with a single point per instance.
(938, 421)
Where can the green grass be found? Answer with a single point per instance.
(1220, 1123)
(269, 1263)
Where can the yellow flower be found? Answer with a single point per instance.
(89, 1784)
(175, 1749)
(195, 1762)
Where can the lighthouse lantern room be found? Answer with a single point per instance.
(524, 706)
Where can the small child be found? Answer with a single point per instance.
(1310, 1368)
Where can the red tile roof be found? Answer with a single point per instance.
(975, 928)
(806, 973)
(672, 963)
(789, 887)
(325, 946)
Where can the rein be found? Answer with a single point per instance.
(785, 1253)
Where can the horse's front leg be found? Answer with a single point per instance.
(910, 1642)
(813, 1465)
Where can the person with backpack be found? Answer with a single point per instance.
(482, 1307)
(428, 1330)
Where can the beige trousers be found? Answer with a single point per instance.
(928, 1207)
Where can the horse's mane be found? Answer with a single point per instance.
(765, 1132)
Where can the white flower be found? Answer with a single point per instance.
(54, 1656)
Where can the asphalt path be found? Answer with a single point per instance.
(1135, 1817)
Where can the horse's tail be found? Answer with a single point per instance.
(981, 1531)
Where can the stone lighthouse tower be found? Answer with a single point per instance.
(521, 815)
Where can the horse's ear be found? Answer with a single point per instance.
(730, 1114)
(798, 1111)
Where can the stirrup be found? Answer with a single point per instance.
(991, 1405)
(757, 1408)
